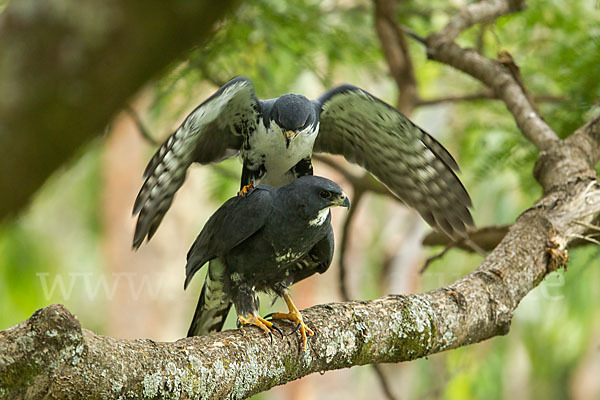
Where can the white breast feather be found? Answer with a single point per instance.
(279, 159)
(320, 218)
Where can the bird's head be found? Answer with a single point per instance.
(314, 195)
(294, 114)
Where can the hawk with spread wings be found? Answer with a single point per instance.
(276, 138)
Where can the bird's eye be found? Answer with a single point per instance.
(325, 194)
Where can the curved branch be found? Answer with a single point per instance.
(396, 52)
(442, 47)
(477, 13)
(486, 95)
(485, 238)
(142, 129)
(364, 182)
(356, 200)
(385, 385)
(51, 354)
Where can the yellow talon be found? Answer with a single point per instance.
(246, 189)
(266, 326)
(295, 316)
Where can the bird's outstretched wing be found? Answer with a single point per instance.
(411, 163)
(235, 221)
(212, 132)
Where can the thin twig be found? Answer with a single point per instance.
(413, 35)
(589, 226)
(587, 238)
(396, 53)
(483, 239)
(479, 12)
(357, 197)
(486, 95)
(437, 256)
(140, 125)
(364, 182)
(385, 386)
(480, 38)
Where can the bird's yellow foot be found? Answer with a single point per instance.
(246, 189)
(294, 316)
(266, 326)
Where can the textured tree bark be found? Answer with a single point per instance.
(51, 355)
(67, 66)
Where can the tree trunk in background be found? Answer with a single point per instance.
(66, 67)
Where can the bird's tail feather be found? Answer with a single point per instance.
(213, 304)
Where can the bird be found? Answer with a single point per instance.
(264, 241)
(276, 139)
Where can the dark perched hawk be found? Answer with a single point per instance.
(264, 241)
(275, 139)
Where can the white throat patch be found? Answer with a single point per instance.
(268, 148)
(320, 219)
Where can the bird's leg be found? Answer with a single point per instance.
(246, 189)
(254, 319)
(294, 316)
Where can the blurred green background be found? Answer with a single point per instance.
(72, 245)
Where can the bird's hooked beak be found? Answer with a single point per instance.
(343, 201)
(289, 137)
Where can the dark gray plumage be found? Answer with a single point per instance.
(264, 241)
(276, 138)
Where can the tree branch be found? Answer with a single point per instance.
(486, 238)
(144, 132)
(362, 182)
(396, 52)
(441, 47)
(479, 13)
(51, 355)
(487, 95)
(356, 200)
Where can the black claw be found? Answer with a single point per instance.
(238, 324)
(271, 337)
(275, 327)
(296, 328)
(268, 315)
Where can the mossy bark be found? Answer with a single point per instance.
(51, 355)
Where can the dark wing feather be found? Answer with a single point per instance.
(411, 163)
(318, 259)
(212, 132)
(235, 221)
